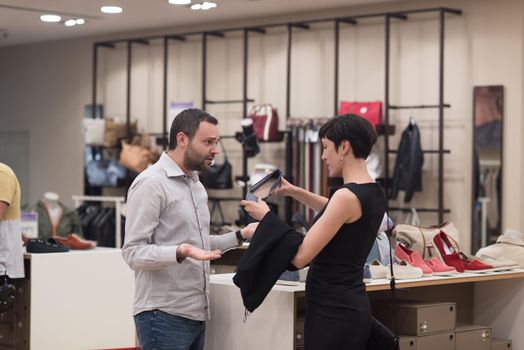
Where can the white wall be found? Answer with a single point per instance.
(43, 89)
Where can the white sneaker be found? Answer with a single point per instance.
(377, 269)
(403, 270)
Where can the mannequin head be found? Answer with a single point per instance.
(51, 197)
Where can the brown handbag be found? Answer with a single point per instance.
(134, 157)
(420, 239)
(115, 131)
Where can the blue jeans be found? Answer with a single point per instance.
(158, 330)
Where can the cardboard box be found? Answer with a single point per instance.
(437, 341)
(471, 337)
(417, 317)
(407, 342)
(501, 344)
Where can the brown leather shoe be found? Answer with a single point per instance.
(73, 241)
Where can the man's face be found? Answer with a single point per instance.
(203, 148)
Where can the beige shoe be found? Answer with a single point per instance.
(378, 270)
(403, 270)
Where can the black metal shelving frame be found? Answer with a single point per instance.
(304, 25)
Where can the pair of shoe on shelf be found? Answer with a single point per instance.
(401, 270)
(463, 263)
(57, 244)
(430, 267)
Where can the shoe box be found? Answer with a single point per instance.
(437, 341)
(471, 337)
(407, 343)
(417, 317)
(500, 344)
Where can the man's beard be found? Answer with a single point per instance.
(194, 161)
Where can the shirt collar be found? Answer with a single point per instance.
(172, 169)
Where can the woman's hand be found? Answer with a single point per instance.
(257, 210)
(185, 250)
(247, 232)
(285, 188)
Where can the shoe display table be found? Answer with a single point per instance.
(74, 300)
(493, 299)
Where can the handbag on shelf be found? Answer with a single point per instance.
(420, 239)
(219, 176)
(134, 157)
(265, 122)
(372, 111)
(115, 131)
(94, 131)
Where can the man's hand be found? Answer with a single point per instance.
(186, 250)
(247, 232)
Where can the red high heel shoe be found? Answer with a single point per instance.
(447, 253)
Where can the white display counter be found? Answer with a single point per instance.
(494, 299)
(74, 300)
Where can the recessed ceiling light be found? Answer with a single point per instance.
(50, 18)
(111, 9)
(70, 23)
(179, 2)
(80, 21)
(206, 5)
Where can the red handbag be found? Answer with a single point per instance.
(265, 122)
(372, 111)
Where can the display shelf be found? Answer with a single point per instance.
(492, 299)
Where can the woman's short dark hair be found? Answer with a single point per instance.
(353, 128)
(188, 122)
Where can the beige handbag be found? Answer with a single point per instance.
(134, 157)
(115, 131)
(420, 239)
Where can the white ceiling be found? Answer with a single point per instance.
(24, 26)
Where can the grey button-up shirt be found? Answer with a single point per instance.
(166, 208)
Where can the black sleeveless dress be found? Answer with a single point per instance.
(338, 313)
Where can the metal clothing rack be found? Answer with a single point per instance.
(304, 25)
(118, 201)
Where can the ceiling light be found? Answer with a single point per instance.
(80, 21)
(111, 9)
(179, 2)
(50, 18)
(70, 23)
(208, 5)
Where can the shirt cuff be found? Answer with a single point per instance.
(168, 254)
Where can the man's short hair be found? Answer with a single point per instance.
(188, 122)
(353, 128)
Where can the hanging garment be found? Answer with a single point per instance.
(69, 222)
(266, 258)
(407, 175)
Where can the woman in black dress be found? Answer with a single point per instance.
(338, 312)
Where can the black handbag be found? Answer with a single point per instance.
(7, 294)
(219, 176)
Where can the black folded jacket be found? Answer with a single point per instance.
(272, 247)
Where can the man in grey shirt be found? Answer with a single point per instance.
(167, 241)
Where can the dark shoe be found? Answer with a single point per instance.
(37, 245)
